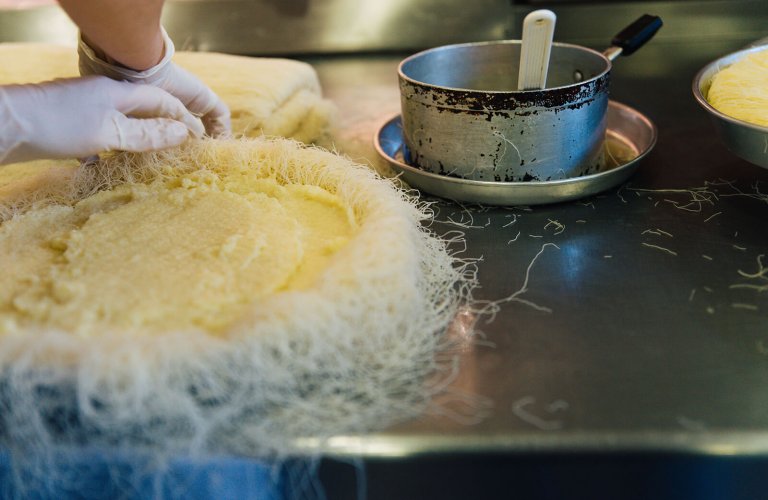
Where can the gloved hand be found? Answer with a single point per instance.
(195, 95)
(79, 117)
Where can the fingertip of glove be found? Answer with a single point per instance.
(218, 127)
(194, 127)
(177, 133)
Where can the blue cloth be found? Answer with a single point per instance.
(87, 474)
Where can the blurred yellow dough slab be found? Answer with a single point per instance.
(31, 62)
(273, 96)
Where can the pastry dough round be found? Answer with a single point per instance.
(233, 296)
(248, 297)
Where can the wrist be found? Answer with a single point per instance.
(95, 61)
(134, 57)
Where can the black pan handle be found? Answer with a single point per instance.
(637, 34)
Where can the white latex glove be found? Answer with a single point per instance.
(195, 95)
(79, 117)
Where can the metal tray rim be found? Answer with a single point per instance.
(522, 193)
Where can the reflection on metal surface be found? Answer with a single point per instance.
(691, 425)
(574, 260)
(462, 329)
(723, 444)
(302, 26)
(44, 24)
(24, 4)
(322, 26)
(455, 387)
(524, 409)
(306, 26)
(723, 450)
(290, 8)
(61, 29)
(356, 446)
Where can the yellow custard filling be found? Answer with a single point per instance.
(190, 252)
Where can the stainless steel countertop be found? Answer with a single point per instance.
(641, 350)
(650, 373)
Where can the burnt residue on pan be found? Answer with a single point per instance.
(501, 102)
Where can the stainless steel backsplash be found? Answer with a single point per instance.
(273, 27)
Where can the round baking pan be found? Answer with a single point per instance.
(746, 140)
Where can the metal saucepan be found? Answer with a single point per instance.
(746, 140)
(461, 116)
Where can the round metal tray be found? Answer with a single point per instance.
(746, 140)
(630, 136)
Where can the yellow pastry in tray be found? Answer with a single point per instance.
(741, 89)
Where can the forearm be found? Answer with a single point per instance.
(123, 31)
